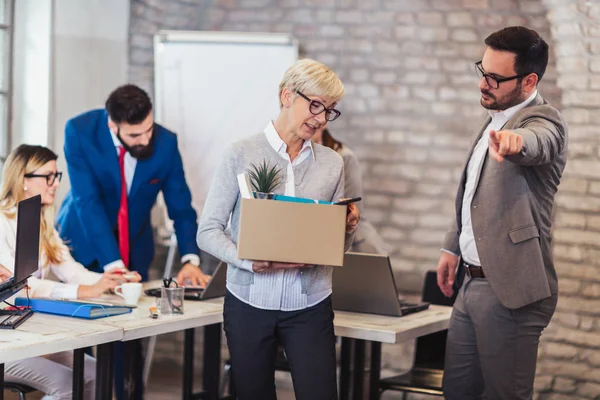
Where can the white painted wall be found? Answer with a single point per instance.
(69, 55)
(31, 72)
(90, 59)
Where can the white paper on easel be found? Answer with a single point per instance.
(244, 186)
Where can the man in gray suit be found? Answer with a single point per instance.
(499, 244)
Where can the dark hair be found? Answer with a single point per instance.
(330, 141)
(128, 103)
(531, 51)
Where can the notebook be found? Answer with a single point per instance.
(365, 284)
(77, 309)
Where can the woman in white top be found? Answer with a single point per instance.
(4, 274)
(366, 240)
(31, 171)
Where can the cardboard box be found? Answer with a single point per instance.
(272, 230)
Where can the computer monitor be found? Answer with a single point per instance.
(26, 259)
(27, 251)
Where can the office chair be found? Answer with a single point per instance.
(22, 390)
(426, 374)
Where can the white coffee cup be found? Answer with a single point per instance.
(130, 291)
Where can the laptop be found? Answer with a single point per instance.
(27, 246)
(365, 284)
(216, 286)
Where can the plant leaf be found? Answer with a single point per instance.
(263, 177)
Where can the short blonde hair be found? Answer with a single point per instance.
(312, 78)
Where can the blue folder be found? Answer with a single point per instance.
(293, 199)
(77, 309)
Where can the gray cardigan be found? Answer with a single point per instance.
(367, 239)
(320, 178)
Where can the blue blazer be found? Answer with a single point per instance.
(87, 219)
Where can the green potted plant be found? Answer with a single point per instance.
(264, 179)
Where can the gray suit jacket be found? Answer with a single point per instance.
(511, 210)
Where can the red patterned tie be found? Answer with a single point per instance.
(123, 218)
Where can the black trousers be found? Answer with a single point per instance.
(307, 337)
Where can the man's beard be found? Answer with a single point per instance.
(139, 151)
(509, 100)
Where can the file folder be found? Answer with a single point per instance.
(76, 309)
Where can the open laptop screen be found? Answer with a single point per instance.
(28, 238)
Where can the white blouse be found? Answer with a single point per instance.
(69, 272)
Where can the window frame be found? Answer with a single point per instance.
(7, 56)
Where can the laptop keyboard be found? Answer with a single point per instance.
(407, 304)
(7, 283)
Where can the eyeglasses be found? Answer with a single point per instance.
(316, 108)
(50, 178)
(135, 135)
(494, 81)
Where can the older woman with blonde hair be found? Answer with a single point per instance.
(271, 303)
(30, 171)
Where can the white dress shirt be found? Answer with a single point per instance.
(70, 272)
(468, 247)
(284, 286)
(130, 163)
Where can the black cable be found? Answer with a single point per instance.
(12, 305)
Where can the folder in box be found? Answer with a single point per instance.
(294, 199)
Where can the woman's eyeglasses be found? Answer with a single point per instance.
(316, 108)
(50, 178)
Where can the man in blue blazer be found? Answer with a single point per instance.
(118, 160)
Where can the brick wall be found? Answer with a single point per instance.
(412, 98)
(410, 110)
(569, 362)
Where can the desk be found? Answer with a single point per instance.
(46, 334)
(356, 329)
(138, 325)
(64, 333)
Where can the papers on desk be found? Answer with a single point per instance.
(76, 309)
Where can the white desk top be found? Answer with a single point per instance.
(377, 328)
(384, 329)
(138, 324)
(45, 334)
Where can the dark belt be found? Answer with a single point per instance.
(473, 271)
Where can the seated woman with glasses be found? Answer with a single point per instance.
(270, 303)
(30, 171)
(366, 239)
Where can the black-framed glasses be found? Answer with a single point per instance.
(316, 108)
(135, 135)
(50, 178)
(494, 81)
